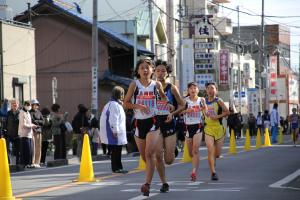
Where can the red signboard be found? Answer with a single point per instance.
(273, 78)
(224, 67)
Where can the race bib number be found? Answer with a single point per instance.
(162, 108)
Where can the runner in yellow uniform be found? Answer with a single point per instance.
(213, 129)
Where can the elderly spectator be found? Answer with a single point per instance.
(25, 132)
(12, 125)
(113, 128)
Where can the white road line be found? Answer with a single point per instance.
(219, 190)
(141, 197)
(107, 183)
(289, 178)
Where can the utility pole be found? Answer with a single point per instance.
(170, 34)
(239, 61)
(180, 49)
(95, 63)
(135, 43)
(151, 26)
(299, 82)
(29, 14)
(262, 55)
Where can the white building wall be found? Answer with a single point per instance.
(18, 46)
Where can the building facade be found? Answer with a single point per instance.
(63, 53)
(17, 61)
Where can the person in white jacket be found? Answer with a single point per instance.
(113, 128)
(25, 132)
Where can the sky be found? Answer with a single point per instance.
(127, 9)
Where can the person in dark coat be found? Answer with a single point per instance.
(47, 134)
(231, 121)
(38, 120)
(80, 126)
(11, 137)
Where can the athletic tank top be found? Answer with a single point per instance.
(194, 117)
(294, 119)
(212, 110)
(162, 108)
(145, 96)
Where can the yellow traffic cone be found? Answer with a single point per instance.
(186, 156)
(86, 172)
(247, 146)
(142, 164)
(5, 183)
(280, 136)
(267, 138)
(232, 145)
(258, 139)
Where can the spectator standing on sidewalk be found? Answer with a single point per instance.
(25, 132)
(38, 120)
(58, 135)
(275, 119)
(113, 128)
(94, 133)
(80, 126)
(3, 114)
(259, 122)
(252, 124)
(232, 121)
(266, 120)
(12, 125)
(46, 134)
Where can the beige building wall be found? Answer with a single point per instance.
(18, 47)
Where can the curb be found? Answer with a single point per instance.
(16, 168)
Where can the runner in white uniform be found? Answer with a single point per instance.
(141, 97)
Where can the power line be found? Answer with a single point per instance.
(256, 15)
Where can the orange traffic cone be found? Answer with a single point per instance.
(5, 182)
(186, 156)
(258, 139)
(86, 172)
(247, 146)
(280, 136)
(232, 144)
(142, 164)
(267, 138)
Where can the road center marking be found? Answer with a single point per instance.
(287, 179)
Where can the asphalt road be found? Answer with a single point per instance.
(266, 173)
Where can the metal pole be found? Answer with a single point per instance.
(151, 26)
(180, 49)
(29, 14)
(299, 81)
(239, 61)
(262, 49)
(95, 62)
(135, 43)
(30, 94)
(170, 34)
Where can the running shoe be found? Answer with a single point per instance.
(193, 176)
(214, 177)
(164, 188)
(145, 189)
